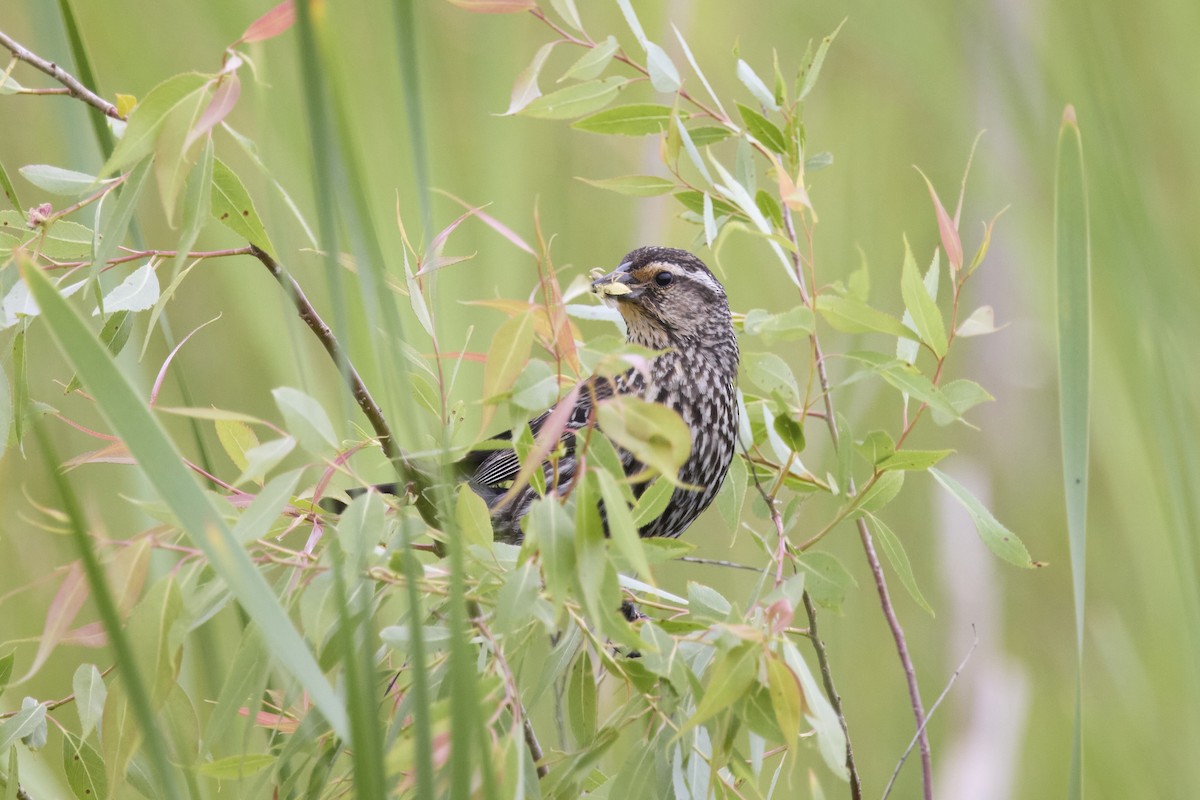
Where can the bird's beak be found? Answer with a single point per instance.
(616, 285)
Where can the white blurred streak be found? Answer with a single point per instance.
(988, 706)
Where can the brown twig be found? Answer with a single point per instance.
(864, 533)
(834, 698)
(74, 87)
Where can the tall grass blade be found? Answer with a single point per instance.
(1073, 268)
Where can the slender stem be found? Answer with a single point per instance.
(864, 533)
(74, 87)
(834, 697)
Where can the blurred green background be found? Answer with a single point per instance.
(904, 84)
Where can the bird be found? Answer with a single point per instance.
(672, 304)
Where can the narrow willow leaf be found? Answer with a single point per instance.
(471, 513)
(752, 82)
(164, 468)
(687, 52)
(56, 180)
(197, 200)
(710, 222)
(774, 328)
(771, 373)
(664, 75)
(831, 739)
(581, 700)
(569, 13)
(9, 190)
(923, 308)
(577, 100)
(231, 204)
(147, 119)
(21, 724)
(552, 531)
(137, 292)
(654, 433)
(849, 315)
(258, 518)
(526, 90)
(652, 503)
(90, 693)
(999, 539)
(306, 419)
(237, 438)
(174, 152)
(83, 768)
(621, 526)
(786, 698)
(704, 135)
(729, 678)
(912, 459)
(763, 129)
(880, 493)
(962, 395)
(507, 356)
(232, 768)
(638, 119)
(113, 230)
(633, 185)
(685, 138)
(813, 70)
(593, 62)
(825, 579)
(893, 548)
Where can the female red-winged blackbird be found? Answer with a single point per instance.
(670, 302)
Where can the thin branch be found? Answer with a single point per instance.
(834, 697)
(716, 562)
(74, 87)
(864, 533)
(933, 708)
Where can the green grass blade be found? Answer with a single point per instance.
(83, 65)
(1073, 267)
(131, 420)
(131, 677)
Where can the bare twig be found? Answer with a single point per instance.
(864, 533)
(717, 562)
(834, 698)
(74, 87)
(933, 708)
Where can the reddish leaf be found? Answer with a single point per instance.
(496, 225)
(271, 24)
(90, 635)
(495, 6)
(547, 440)
(63, 608)
(223, 100)
(946, 227)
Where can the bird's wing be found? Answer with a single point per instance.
(496, 467)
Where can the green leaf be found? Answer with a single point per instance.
(999, 539)
(306, 420)
(258, 518)
(473, 518)
(786, 698)
(771, 373)
(825, 579)
(137, 292)
(652, 503)
(90, 693)
(912, 459)
(849, 315)
(6, 425)
(707, 604)
(593, 62)
(525, 89)
(877, 446)
(197, 200)
(893, 548)
(56, 180)
(790, 431)
(813, 69)
(581, 700)
(577, 100)
(147, 118)
(21, 724)
(552, 532)
(752, 82)
(704, 135)
(880, 493)
(633, 185)
(237, 438)
(763, 129)
(694, 201)
(621, 527)
(923, 308)
(113, 230)
(165, 470)
(507, 356)
(962, 395)
(654, 433)
(231, 204)
(83, 768)
(233, 768)
(729, 678)
(155, 640)
(6, 668)
(733, 493)
(9, 190)
(639, 119)
(174, 152)
(795, 323)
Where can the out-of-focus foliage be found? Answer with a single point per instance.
(303, 139)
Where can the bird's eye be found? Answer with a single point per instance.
(664, 278)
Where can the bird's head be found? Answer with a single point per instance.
(666, 295)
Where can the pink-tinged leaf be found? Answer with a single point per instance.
(162, 373)
(279, 722)
(779, 614)
(495, 6)
(525, 89)
(115, 453)
(63, 608)
(90, 635)
(547, 439)
(478, 358)
(437, 262)
(223, 100)
(496, 225)
(962, 190)
(951, 243)
(272, 23)
(510, 307)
